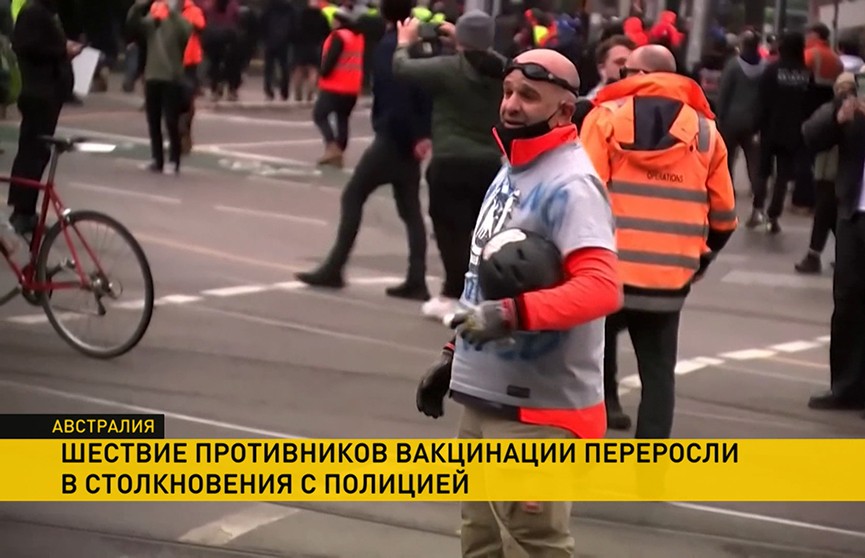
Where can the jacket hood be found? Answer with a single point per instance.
(752, 71)
(673, 86)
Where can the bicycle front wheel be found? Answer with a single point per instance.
(88, 245)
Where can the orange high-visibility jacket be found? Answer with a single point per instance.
(654, 142)
(347, 77)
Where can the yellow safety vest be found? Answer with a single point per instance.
(329, 11)
(16, 8)
(539, 33)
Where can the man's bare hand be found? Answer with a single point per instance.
(849, 108)
(408, 31)
(73, 49)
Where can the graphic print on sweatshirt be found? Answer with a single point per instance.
(504, 207)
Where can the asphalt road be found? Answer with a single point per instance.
(247, 352)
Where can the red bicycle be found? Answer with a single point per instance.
(62, 261)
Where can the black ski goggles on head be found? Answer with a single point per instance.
(536, 72)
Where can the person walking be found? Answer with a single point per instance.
(279, 24)
(738, 107)
(466, 90)
(339, 85)
(167, 33)
(401, 121)
(654, 144)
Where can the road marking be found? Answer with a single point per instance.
(205, 251)
(258, 158)
(72, 396)
(762, 279)
(321, 331)
(795, 346)
(824, 339)
(236, 291)
(271, 215)
(136, 304)
(29, 319)
(688, 366)
(277, 143)
(769, 519)
(799, 362)
(748, 354)
(272, 122)
(127, 193)
(178, 299)
(225, 529)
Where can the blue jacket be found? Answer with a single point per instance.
(400, 111)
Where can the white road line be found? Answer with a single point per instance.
(178, 299)
(126, 193)
(259, 158)
(236, 291)
(271, 215)
(225, 529)
(688, 366)
(29, 319)
(795, 346)
(708, 361)
(769, 519)
(136, 304)
(71, 396)
(277, 143)
(272, 122)
(748, 354)
(321, 331)
(824, 339)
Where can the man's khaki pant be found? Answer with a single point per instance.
(513, 529)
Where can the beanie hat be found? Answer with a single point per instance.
(475, 30)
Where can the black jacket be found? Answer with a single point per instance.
(822, 132)
(400, 111)
(40, 45)
(278, 24)
(786, 101)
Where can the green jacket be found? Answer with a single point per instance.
(465, 101)
(166, 43)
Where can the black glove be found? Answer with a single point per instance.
(435, 384)
(490, 321)
(705, 261)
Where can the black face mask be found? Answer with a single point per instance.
(508, 135)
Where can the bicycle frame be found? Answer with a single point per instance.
(26, 275)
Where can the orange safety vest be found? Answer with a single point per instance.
(347, 77)
(664, 202)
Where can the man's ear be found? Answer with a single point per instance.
(568, 109)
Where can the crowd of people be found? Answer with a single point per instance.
(609, 149)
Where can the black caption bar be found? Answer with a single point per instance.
(46, 426)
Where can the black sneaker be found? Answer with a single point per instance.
(322, 278)
(810, 264)
(409, 291)
(774, 227)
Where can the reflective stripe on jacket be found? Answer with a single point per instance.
(347, 77)
(666, 170)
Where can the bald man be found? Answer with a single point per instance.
(653, 141)
(548, 382)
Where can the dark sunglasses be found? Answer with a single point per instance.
(625, 72)
(536, 72)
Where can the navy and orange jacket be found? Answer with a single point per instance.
(655, 144)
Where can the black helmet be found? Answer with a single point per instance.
(516, 261)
